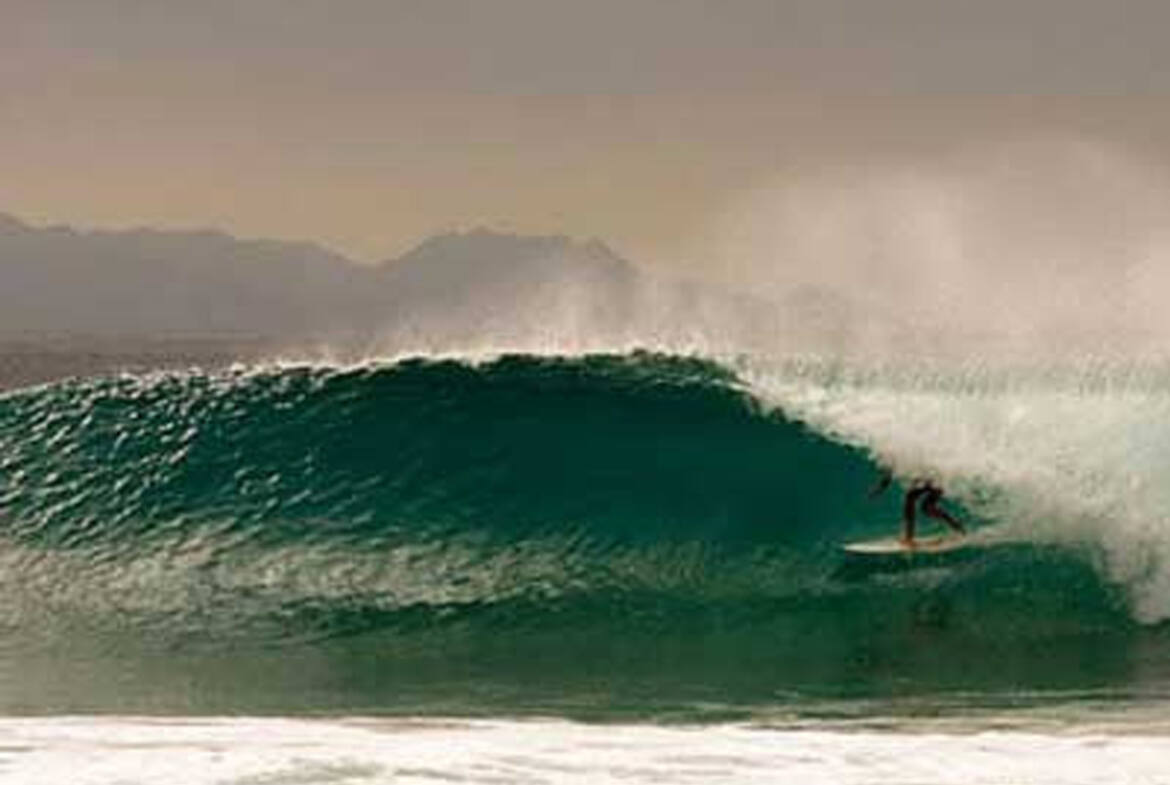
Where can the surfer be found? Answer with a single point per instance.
(920, 491)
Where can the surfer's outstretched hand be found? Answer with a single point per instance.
(880, 486)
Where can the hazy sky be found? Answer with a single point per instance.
(368, 124)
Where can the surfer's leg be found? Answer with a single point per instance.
(909, 505)
(931, 508)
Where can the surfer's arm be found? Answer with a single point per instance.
(880, 486)
(931, 507)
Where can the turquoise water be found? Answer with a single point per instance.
(608, 537)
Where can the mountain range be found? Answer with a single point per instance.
(456, 290)
(149, 282)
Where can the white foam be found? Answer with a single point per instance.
(1068, 461)
(178, 751)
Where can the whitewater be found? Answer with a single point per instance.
(207, 752)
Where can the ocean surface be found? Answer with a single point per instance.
(596, 568)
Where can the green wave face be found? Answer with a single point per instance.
(610, 533)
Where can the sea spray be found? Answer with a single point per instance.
(1063, 455)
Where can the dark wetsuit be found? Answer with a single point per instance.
(929, 494)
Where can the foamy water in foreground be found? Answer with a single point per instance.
(126, 751)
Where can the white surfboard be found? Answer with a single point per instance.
(889, 545)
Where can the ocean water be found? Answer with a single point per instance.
(612, 567)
